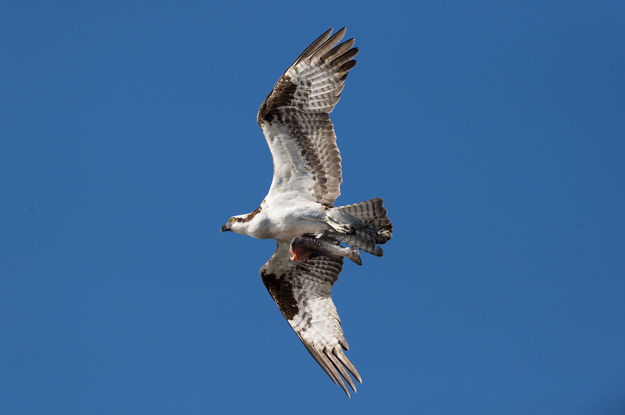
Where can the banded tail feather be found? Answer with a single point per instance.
(373, 214)
(374, 228)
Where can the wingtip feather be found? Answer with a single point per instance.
(348, 364)
(328, 44)
(341, 368)
(313, 46)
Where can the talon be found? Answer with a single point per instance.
(293, 257)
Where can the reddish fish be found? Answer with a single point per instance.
(304, 247)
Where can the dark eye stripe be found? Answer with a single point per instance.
(249, 216)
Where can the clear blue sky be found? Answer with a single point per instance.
(495, 133)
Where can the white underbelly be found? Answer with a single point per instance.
(291, 221)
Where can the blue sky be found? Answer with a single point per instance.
(493, 130)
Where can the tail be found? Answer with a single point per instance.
(371, 226)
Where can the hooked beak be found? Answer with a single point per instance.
(225, 228)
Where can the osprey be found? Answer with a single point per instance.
(306, 181)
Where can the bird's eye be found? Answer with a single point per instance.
(231, 219)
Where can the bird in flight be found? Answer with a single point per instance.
(306, 181)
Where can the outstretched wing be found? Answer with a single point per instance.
(296, 123)
(302, 291)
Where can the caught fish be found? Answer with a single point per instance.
(304, 247)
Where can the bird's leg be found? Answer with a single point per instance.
(337, 226)
(341, 222)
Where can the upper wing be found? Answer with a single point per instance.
(302, 292)
(296, 123)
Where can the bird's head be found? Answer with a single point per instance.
(230, 225)
(243, 224)
(237, 224)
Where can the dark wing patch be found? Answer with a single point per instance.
(280, 96)
(303, 292)
(297, 110)
(281, 291)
